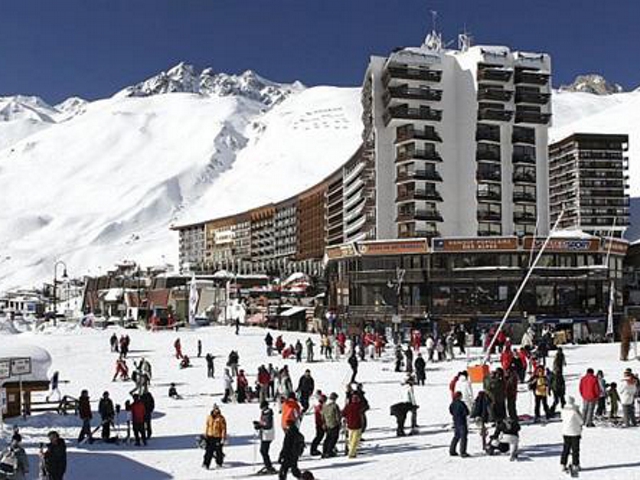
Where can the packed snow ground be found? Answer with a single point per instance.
(83, 358)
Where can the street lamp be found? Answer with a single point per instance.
(55, 286)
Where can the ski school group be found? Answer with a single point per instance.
(493, 409)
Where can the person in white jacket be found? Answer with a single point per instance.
(572, 422)
(628, 391)
(411, 398)
(463, 385)
(229, 395)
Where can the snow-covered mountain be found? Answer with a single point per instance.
(592, 83)
(107, 184)
(94, 183)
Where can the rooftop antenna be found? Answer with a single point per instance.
(464, 40)
(433, 41)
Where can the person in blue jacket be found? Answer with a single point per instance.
(459, 412)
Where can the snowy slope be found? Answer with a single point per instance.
(83, 359)
(106, 185)
(93, 183)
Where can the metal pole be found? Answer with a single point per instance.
(521, 288)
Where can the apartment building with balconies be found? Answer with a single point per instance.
(588, 176)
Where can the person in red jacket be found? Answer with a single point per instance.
(452, 385)
(317, 413)
(590, 392)
(178, 348)
(137, 419)
(506, 358)
(353, 416)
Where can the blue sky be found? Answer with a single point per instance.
(93, 48)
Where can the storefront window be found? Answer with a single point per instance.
(544, 296)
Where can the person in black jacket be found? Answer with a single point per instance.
(459, 412)
(107, 414)
(292, 448)
(306, 387)
(353, 363)
(481, 412)
(420, 366)
(55, 457)
(149, 407)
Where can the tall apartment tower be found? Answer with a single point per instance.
(458, 140)
(588, 177)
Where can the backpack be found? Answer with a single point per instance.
(9, 463)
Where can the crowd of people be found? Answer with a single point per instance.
(535, 366)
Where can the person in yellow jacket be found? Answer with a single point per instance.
(539, 385)
(215, 435)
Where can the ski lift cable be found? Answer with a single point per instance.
(522, 285)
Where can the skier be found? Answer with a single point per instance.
(494, 386)
(602, 398)
(265, 427)
(113, 341)
(511, 391)
(420, 367)
(614, 400)
(319, 424)
(572, 423)
(279, 344)
(408, 353)
(137, 420)
(55, 457)
(539, 385)
(411, 400)
(559, 362)
(84, 412)
(242, 385)
(232, 361)
(284, 386)
(590, 392)
(459, 412)
(628, 393)
(107, 414)
(149, 406)
(331, 416)
(306, 386)
(178, 348)
(14, 463)
(353, 415)
(55, 381)
(210, 368)
(263, 381)
(310, 345)
(268, 340)
(431, 346)
(122, 370)
(481, 413)
(505, 438)
(298, 351)
(353, 363)
(292, 449)
(463, 385)
(144, 367)
(237, 325)
(215, 435)
(199, 348)
(399, 358)
(291, 412)
(558, 388)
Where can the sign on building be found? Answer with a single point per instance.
(20, 366)
(5, 368)
(4, 404)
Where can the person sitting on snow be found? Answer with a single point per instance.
(505, 438)
(173, 392)
(185, 362)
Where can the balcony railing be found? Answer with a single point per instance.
(524, 217)
(534, 78)
(413, 134)
(494, 74)
(418, 154)
(519, 158)
(494, 94)
(412, 113)
(526, 96)
(495, 114)
(489, 216)
(524, 177)
(523, 116)
(492, 155)
(420, 215)
(489, 195)
(418, 234)
(412, 93)
(489, 175)
(524, 197)
(487, 135)
(426, 195)
(405, 73)
(427, 175)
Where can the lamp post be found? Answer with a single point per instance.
(55, 286)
